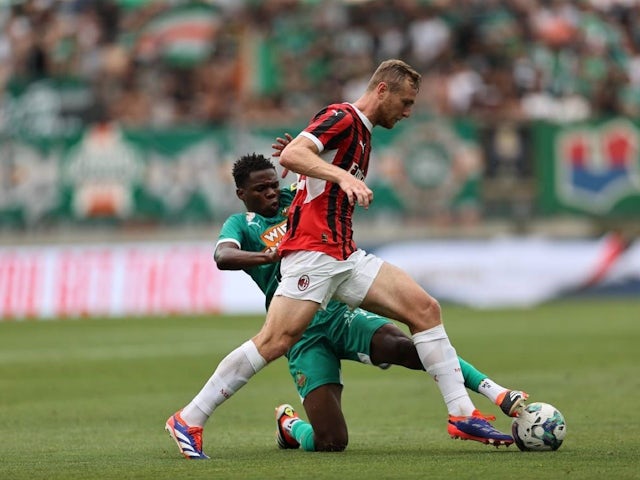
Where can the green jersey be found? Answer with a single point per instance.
(255, 233)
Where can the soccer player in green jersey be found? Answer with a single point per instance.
(247, 242)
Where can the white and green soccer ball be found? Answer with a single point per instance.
(539, 427)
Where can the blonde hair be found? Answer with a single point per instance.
(394, 72)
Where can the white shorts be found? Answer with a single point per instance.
(316, 276)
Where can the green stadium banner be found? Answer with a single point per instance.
(47, 108)
(590, 168)
(108, 175)
(183, 35)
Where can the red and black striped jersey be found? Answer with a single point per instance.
(320, 217)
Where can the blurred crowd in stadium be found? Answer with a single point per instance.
(164, 63)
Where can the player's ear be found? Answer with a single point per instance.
(240, 193)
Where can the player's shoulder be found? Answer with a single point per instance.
(240, 219)
(287, 193)
(338, 110)
(234, 217)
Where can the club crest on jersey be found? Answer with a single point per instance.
(303, 283)
(597, 166)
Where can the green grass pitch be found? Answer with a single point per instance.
(87, 399)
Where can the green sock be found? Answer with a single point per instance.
(472, 376)
(303, 433)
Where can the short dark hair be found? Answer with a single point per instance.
(394, 72)
(245, 165)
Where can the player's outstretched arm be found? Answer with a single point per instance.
(228, 256)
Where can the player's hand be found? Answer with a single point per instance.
(279, 146)
(273, 255)
(357, 191)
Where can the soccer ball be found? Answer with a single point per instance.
(539, 427)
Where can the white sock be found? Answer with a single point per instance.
(441, 362)
(490, 389)
(232, 373)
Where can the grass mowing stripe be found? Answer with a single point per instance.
(88, 399)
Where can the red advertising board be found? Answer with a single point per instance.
(129, 279)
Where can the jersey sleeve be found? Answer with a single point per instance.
(329, 127)
(233, 230)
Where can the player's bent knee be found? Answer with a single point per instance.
(280, 347)
(273, 348)
(427, 315)
(332, 443)
(405, 352)
(435, 311)
(391, 345)
(330, 438)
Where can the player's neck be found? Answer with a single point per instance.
(367, 106)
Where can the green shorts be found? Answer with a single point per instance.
(335, 334)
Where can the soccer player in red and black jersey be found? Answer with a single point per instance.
(320, 216)
(320, 261)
